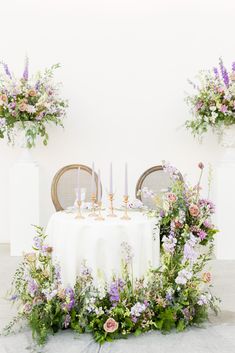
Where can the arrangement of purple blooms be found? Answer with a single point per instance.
(213, 103)
(29, 103)
(174, 296)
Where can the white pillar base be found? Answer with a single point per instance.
(24, 204)
(225, 206)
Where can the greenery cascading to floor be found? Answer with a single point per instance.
(173, 296)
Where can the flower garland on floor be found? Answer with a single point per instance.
(29, 104)
(213, 103)
(174, 296)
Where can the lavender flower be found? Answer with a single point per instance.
(2, 122)
(172, 171)
(57, 272)
(183, 277)
(127, 252)
(69, 300)
(6, 69)
(224, 73)
(202, 300)
(14, 297)
(202, 235)
(115, 288)
(32, 286)
(67, 321)
(26, 69)
(50, 294)
(216, 72)
(37, 242)
(169, 244)
(233, 66)
(189, 253)
(186, 313)
(137, 309)
(207, 204)
(169, 295)
(207, 224)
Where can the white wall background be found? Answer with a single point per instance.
(125, 65)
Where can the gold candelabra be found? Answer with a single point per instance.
(111, 214)
(125, 215)
(79, 214)
(93, 213)
(99, 217)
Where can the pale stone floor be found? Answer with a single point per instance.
(217, 336)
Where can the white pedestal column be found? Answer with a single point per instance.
(225, 206)
(24, 203)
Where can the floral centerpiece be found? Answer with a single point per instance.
(174, 296)
(29, 104)
(213, 103)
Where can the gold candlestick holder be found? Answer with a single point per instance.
(93, 213)
(111, 214)
(99, 217)
(79, 214)
(125, 215)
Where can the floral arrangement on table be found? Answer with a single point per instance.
(29, 104)
(213, 103)
(173, 296)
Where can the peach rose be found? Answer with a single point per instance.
(4, 98)
(23, 107)
(110, 325)
(206, 277)
(32, 93)
(194, 210)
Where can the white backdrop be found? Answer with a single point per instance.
(125, 65)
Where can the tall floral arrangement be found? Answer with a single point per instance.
(29, 103)
(213, 103)
(174, 296)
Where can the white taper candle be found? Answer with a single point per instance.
(78, 185)
(126, 180)
(111, 179)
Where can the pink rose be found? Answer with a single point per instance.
(194, 210)
(110, 325)
(23, 107)
(172, 197)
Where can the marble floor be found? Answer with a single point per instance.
(217, 336)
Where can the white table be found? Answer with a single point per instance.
(99, 243)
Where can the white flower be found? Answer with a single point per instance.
(31, 109)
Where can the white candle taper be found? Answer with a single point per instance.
(126, 180)
(111, 179)
(93, 179)
(99, 187)
(78, 186)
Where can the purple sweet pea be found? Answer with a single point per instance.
(32, 286)
(216, 72)
(233, 66)
(224, 73)
(26, 69)
(115, 288)
(6, 69)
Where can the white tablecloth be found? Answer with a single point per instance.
(99, 243)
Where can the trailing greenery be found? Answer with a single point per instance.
(174, 296)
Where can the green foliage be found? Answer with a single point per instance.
(172, 297)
